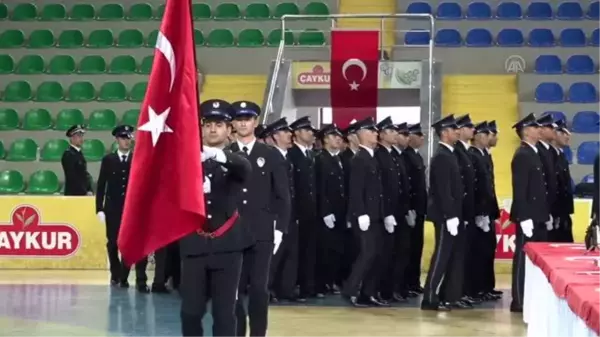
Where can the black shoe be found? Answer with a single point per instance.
(378, 302)
(160, 289)
(335, 290)
(355, 302)
(114, 282)
(273, 297)
(491, 297)
(143, 289)
(397, 297)
(471, 300)
(515, 308)
(293, 299)
(124, 284)
(320, 295)
(496, 292)
(417, 289)
(434, 306)
(412, 294)
(459, 305)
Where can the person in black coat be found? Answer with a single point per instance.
(444, 209)
(366, 213)
(77, 179)
(547, 136)
(331, 205)
(415, 168)
(563, 226)
(110, 201)
(595, 208)
(490, 281)
(265, 208)
(212, 257)
(530, 209)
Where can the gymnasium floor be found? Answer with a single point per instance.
(80, 303)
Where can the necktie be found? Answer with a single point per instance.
(308, 154)
(123, 158)
(338, 160)
(245, 149)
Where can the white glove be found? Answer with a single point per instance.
(277, 238)
(452, 226)
(389, 221)
(101, 217)
(527, 228)
(348, 224)
(213, 153)
(486, 227)
(480, 221)
(466, 223)
(206, 185)
(389, 227)
(329, 221)
(549, 225)
(411, 218)
(364, 222)
(556, 223)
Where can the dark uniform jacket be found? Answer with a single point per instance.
(289, 167)
(390, 176)
(549, 174)
(366, 191)
(415, 168)
(445, 188)
(564, 205)
(495, 213)
(265, 198)
(483, 188)
(528, 184)
(112, 183)
(405, 202)
(226, 182)
(467, 175)
(77, 178)
(595, 208)
(305, 183)
(346, 156)
(331, 187)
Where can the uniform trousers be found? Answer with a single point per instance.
(564, 233)
(453, 287)
(331, 253)
(396, 259)
(488, 256)
(307, 256)
(204, 277)
(540, 234)
(474, 247)
(168, 265)
(254, 285)
(367, 267)
(413, 272)
(118, 270)
(440, 263)
(283, 273)
(351, 247)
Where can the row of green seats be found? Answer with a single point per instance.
(66, 64)
(41, 182)
(134, 38)
(41, 119)
(52, 91)
(26, 150)
(145, 11)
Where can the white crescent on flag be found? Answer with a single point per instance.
(358, 63)
(163, 45)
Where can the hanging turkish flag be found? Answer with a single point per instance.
(165, 198)
(354, 75)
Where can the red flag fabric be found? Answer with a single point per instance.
(165, 197)
(354, 75)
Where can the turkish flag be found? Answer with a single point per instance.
(354, 75)
(165, 197)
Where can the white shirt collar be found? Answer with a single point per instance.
(389, 149)
(368, 150)
(333, 154)
(556, 149)
(480, 150)
(282, 151)
(302, 148)
(76, 148)
(249, 146)
(353, 150)
(448, 146)
(546, 145)
(121, 154)
(399, 150)
(532, 146)
(488, 150)
(467, 146)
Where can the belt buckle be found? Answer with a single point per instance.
(208, 235)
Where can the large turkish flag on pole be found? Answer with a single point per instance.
(165, 198)
(354, 75)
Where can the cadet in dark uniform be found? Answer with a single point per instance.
(415, 168)
(563, 226)
(110, 200)
(366, 212)
(547, 135)
(444, 209)
(303, 159)
(490, 276)
(212, 258)
(331, 205)
(77, 179)
(529, 210)
(265, 208)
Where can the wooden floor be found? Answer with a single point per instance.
(51, 303)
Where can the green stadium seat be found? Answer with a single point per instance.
(146, 65)
(102, 38)
(2, 151)
(24, 12)
(17, 91)
(201, 11)
(61, 65)
(113, 92)
(53, 150)
(3, 11)
(12, 38)
(130, 117)
(130, 38)
(67, 118)
(316, 8)
(70, 38)
(24, 149)
(151, 40)
(285, 8)
(92, 64)
(93, 149)
(43, 182)
(53, 12)
(7, 64)
(42, 38)
(103, 119)
(37, 120)
(140, 12)
(50, 91)
(220, 38)
(81, 92)
(257, 11)
(82, 12)
(9, 119)
(199, 38)
(123, 64)
(30, 65)
(11, 182)
(227, 11)
(138, 92)
(251, 38)
(111, 12)
(311, 37)
(160, 12)
(274, 38)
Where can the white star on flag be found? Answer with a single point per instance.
(354, 86)
(157, 124)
